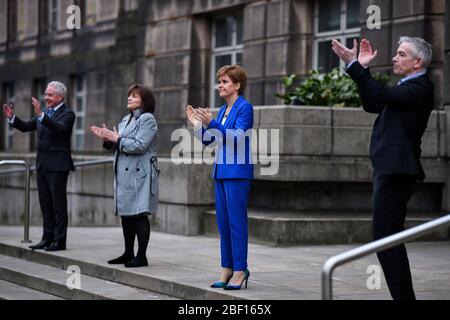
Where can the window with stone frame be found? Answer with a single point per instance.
(48, 17)
(53, 15)
(88, 9)
(12, 21)
(130, 5)
(9, 96)
(44, 20)
(227, 48)
(79, 107)
(334, 19)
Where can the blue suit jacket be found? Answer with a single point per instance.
(233, 157)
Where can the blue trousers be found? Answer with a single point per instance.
(231, 214)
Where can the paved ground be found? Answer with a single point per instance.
(276, 273)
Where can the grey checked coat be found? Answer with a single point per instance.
(135, 167)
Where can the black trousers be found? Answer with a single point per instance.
(390, 198)
(52, 190)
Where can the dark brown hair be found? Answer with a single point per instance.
(236, 73)
(147, 97)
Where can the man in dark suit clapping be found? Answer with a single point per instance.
(395, 148)
(53, 161)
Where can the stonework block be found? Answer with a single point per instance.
(276, 57)
(271, 87)
(165, 9)
(277, 18)
(384, 5)
(447, 79)
(254, 21)
(446, 28)
(253, 59)
(352, 141)
(410, 28)
(3, 21)
(179, 219)
(299, 57)
(187, 181)
(299, 140)
(381, 40)
(172, 70)
(254, 92)
(32, 15)
(107, 10)
(170, 36)
(402, 8)
(302, 17)
(170, 104)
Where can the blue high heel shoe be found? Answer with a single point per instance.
(238, 287)
(221, 284)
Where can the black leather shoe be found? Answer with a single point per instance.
(137, 262)
(121, 260)
(56, 246)
(41, 245)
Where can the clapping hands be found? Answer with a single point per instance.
(366, 53)
(198, 116)
(8, 110)
(105, 133)
(36, 106)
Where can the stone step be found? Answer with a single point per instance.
(12, 291)
(285, 228)
(182, 287)
(54, 281)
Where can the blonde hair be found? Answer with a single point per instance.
(236, 73)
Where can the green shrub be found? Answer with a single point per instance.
(335, 88)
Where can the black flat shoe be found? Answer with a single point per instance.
(121, 260)
(137, 262)
(41, 245)
(56, 246)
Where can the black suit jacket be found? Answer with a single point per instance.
(403, 116)
(54, 135)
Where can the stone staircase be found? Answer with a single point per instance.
(38, 275)
(182, 267)
(287, 228)
(23, 278)
(12, 291)
(52, 282)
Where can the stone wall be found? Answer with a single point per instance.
(323, 167)
(166, 44)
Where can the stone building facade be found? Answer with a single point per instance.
(322, 191)
(175, 47)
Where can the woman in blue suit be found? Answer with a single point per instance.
(232, 173)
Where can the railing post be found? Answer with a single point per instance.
(26, 226)
(327, 283)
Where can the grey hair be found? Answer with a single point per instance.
(420, 49)
(60, 88)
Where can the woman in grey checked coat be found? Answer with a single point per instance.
(136, 172)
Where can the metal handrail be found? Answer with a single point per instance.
(376, 246)
(28, 171)
(76, 164)
(26, 227)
